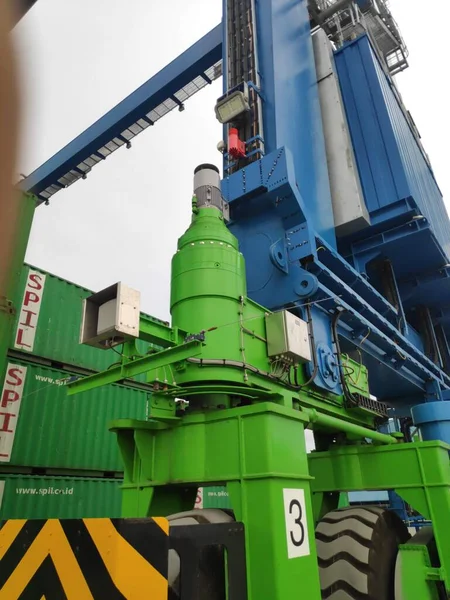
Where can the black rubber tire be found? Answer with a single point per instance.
(357, 549)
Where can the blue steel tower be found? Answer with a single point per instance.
(330, 192)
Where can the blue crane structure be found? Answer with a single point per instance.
(329, 229)
(312, 228)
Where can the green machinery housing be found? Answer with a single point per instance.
(248, 400)
(236, 383)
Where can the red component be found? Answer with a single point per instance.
(236, 148)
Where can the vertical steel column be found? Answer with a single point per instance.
(259, 452)
(274, 503)
(291, 108)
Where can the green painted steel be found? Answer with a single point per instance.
(9, 306)
(419, 472)
(244, 427)
(41, 427)
(415, 575)
(207, 283)
(259, 452)
(343, 500)
(32, 497)
(48, 319)
(208, 298)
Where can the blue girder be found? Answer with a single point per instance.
(281, 207)
(267, 211)
(198, 66)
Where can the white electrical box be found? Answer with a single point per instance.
(111, 317)
(287, 337)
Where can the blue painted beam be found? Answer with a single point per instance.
(112, 130)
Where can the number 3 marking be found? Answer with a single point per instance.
(296, 523)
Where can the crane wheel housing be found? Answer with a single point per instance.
(357, 549)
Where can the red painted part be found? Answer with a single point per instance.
(236, 148)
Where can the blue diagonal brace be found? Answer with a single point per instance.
(95, 143)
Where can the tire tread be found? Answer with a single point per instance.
(350, 550)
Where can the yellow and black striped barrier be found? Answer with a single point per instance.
(84, 559)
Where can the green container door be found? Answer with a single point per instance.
(213, 497)
(26, 497)
(40, 426)
(48, 322)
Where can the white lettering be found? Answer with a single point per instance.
(41, 491)
(51, 380)
(29, 312)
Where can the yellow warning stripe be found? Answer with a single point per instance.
(130, 572)
(52, 541)
(8, 534)
(163, 523)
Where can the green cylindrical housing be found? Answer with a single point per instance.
(209, 295)
(208, 283)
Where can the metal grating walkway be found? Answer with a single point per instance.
(124, 137)
(197, 67)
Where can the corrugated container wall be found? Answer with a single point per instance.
(213, 497)
(218, 497)
(40, 426)
(27, 497)
(48, 322)
(391, 162)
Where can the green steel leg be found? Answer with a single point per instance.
(419, 472)
(259, 452)
(415, 578)
(325, 503)
(8, 297)
(272, 501)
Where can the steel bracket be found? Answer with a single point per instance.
(278, 256)
(162, 408)
(6, 306)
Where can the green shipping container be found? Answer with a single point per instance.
(217, 497)
(48, 322)
(41, 426)
(27, 497)
(213, 497)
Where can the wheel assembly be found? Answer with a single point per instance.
(357, 550)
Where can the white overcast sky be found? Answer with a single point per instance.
(81, 57)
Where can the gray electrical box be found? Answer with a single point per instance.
(110, 317)
(287, 337)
